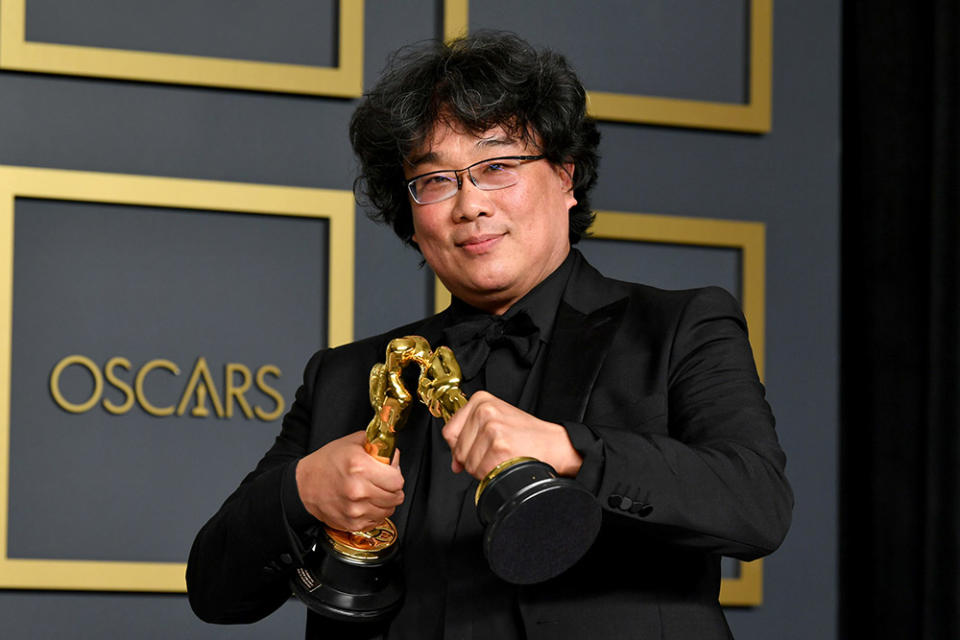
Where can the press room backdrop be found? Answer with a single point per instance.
(179, 236)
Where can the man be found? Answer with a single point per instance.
(480, 155)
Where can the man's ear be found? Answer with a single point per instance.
(566, 175)
(566, 179)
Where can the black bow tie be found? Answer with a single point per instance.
(473, 337)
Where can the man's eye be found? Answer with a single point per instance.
(429, 182)
(496, 167)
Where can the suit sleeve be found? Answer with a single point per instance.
(701, 466)
(239, 564)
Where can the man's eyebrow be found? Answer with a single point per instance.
(483, 143)
(496, 141)
(429, 156)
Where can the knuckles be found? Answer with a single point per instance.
(487, 409)
(355, 512)
(354, 491)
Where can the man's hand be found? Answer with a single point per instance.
(488, 431)
(343, 486)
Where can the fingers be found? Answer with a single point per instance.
(460, 432)
(358, 510)
(386, 477)
(451, 430)
(343, 486)
(488, 431)
(358, 514)
(476, 434)
(370, 482)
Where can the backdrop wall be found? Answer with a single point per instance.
(116, 279)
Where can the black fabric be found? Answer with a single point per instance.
(473, 338)
(900, 327)
(662, 393)
(498, 354)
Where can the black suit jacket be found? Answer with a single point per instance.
(659, 392)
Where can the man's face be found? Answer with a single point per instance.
(491, 247)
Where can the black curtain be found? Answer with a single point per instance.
(900, 390)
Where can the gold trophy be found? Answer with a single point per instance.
(536, 524)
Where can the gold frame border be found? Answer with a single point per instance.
(53, 184)
(754, 117)
(345, 80)
(750, 239)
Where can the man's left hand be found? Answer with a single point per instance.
(488, 431)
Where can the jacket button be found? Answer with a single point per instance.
(614, 500)
(286, 558)
(642, 510)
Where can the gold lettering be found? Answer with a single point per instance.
(200, 370)
(138, 384)
(232, 391)
(119, 384)
(55, 383)
(270, 391)
(199, 388)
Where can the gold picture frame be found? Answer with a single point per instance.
(754, 116)
(746, 237)
(749, 238)
(345, 80)
(80, 186)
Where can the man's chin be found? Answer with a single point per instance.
(491, 296)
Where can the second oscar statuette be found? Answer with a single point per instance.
(536, 524)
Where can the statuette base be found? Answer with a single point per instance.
(348, 588)
(537, 525)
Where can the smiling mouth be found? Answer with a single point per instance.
(480, 244)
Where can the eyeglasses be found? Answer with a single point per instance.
(490, 174)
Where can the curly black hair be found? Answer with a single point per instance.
(484, 80)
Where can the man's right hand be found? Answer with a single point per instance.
(347, 489)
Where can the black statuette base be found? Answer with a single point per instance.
(537, 525)
(348, 589)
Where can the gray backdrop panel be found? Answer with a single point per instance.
(145, 283)
(671, 48)
(667, 266)
(292, 31)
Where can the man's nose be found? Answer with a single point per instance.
(471, 201)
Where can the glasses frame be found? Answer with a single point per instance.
(457, 172)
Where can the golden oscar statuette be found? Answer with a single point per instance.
(536, 524)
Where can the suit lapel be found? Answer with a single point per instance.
(587, 320)
(579, 343)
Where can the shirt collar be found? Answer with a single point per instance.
(540, 303)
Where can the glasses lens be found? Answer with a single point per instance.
(495, 174)
(434, 187)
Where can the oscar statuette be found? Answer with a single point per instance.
(536, 524)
